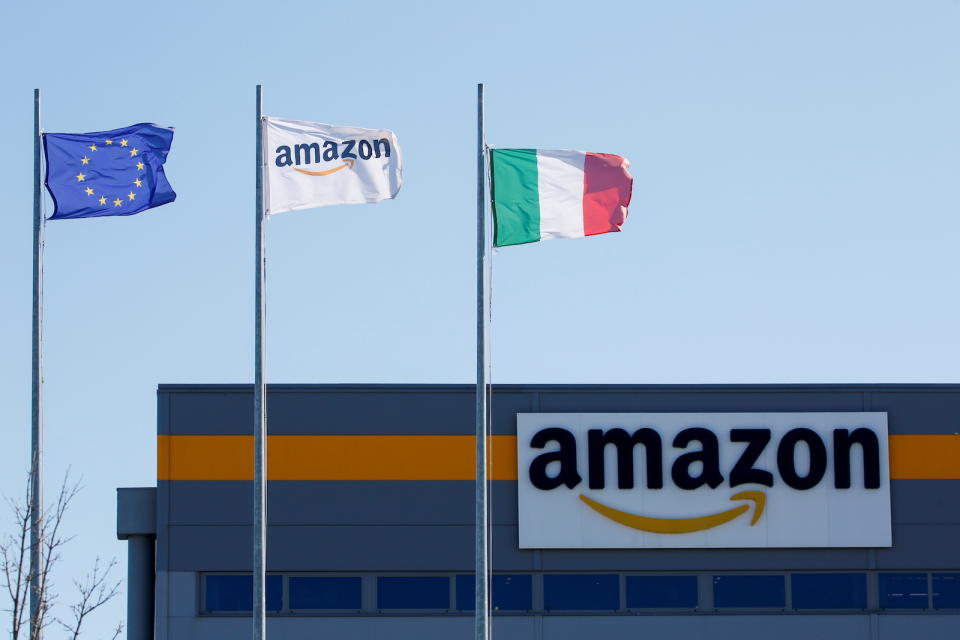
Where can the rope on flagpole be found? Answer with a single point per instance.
(491, 451)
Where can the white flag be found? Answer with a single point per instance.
(310, 164)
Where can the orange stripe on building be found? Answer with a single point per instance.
(204, 457)
(437, 457)
(928, 457)
(313, 457)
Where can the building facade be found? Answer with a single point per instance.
(371, 522)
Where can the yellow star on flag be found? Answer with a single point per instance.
(93, 147)
(140, 166)
(131, 195)
(123, 142)
(117, 202)
(138, 182)
(103, 199)
(89, 191)
(133, 151)
(81, 177)
(109, 141)
(85, 160)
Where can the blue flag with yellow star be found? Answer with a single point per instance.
(109, 173)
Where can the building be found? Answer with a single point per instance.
(371, 514)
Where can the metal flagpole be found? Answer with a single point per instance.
(482, 564)
(36, 432)
(259, 408)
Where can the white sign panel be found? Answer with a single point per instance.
(703, 480)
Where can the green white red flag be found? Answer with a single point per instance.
(540, 194)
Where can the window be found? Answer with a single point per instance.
(903, 590)
(322, 592)
(438, 594)
(748, 591)
(829, 590)
(946, 591)
(508, 592)
(413, 592)
(234, 593)
(661, 592)
(563, 592)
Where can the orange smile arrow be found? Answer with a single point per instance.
(349, 162)
(683, 525)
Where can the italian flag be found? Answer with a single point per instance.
(540, 194)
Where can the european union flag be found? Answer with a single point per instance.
(109, 173)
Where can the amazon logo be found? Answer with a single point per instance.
(342, 154)
(698, 458)
(683, 525)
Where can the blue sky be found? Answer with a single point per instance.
(794, 216)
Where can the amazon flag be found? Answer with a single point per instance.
(309, 164)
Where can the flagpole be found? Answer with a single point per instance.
(482, 559)
(36, 431)
(259, 406)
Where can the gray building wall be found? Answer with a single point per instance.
(373, 526)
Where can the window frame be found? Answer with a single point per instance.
(706, 583)
(451, 594)
(899, 610)
(933, 606)
(203, 610)
(533, 610)
(660, 574)
(866, 591)
(288, 608)
(785, 607)
(604, 611)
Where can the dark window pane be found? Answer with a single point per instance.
(466, 593)
(581, 592)
(748, 591)
(946, 591)
(510, 592)
(322, 592)
(413, 592)
(903, 590)
(235, 593)
(661, 592)
(829, 590)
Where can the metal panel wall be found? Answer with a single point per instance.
(428, 525)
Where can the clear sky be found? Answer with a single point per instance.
(794, 216)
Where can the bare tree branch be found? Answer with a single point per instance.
(14, 550)
(95, 590)
(117, 631)
(51, 541)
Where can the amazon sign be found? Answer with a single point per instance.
(703, 480)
